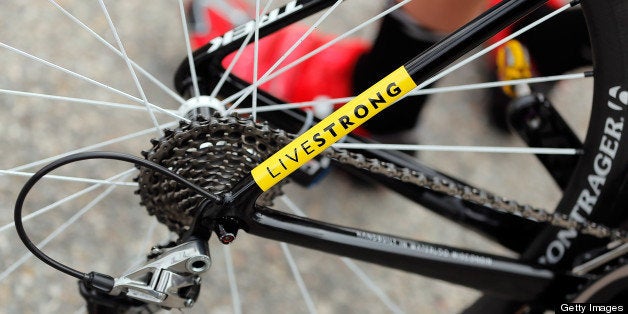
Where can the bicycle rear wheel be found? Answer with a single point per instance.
(32, 138)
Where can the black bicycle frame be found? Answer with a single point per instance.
(506, 277)
(497, 226)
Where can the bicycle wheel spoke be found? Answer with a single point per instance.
(255, 57)
(92, 147)
(236, 58)
(66, 178)
(146, 243)
(136, 81)
(58, 231)
(299, 41)
(465, 149)
(314, 52)
(295, 105)
(491, 47)
(298, 278)
(146, 74)
(426, 91)
(84, 78)
(188, 48)
(370, 284)
(233, 286)
(69, 72)
(486, 85)
(110, 181)
(285, 55)
(72, 99)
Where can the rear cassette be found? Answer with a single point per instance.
(214, 153)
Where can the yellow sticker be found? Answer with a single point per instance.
(340, 123)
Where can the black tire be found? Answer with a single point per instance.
(598, 185)
(607, 22)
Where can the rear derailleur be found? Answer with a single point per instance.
(170, 278)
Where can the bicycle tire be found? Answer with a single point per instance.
(609, 52)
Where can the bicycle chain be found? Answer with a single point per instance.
(475, 195)
(179, 214)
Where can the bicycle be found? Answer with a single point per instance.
(434, 260)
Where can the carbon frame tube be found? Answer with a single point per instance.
(495, 275)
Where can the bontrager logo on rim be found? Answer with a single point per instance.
(617, 93)
(602, 164)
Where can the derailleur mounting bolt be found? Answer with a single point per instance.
(226, 232)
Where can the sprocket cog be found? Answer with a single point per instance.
(214, 153)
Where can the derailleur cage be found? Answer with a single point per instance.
(170, 278)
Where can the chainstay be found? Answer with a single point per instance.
(474, 195)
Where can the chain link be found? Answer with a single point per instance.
(474, 195)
